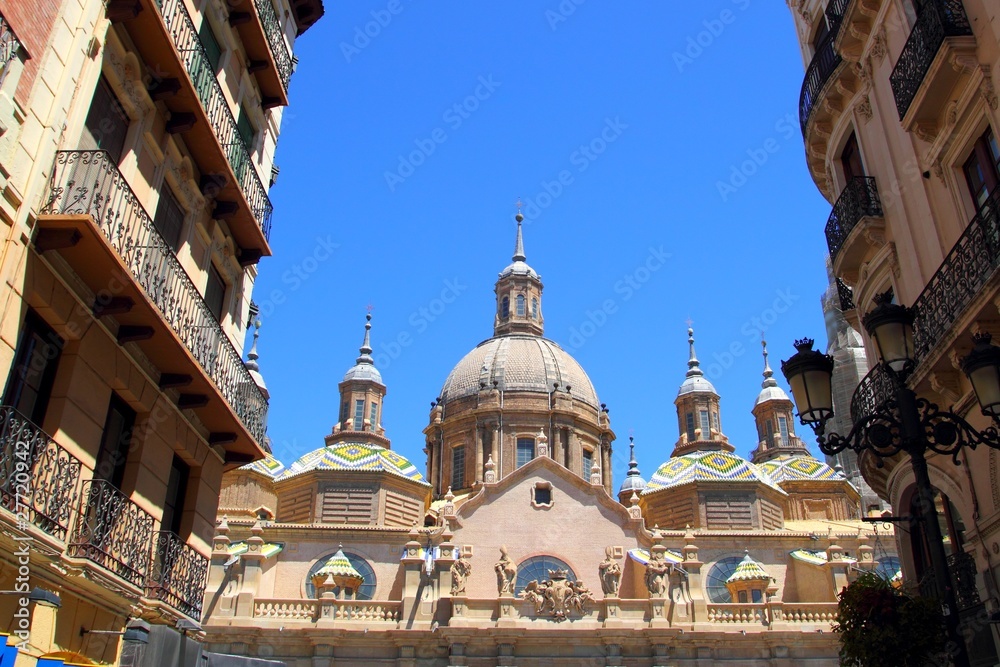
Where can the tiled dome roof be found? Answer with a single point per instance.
(518, 363)
(355, 456)
(268, 466)
(748, 570)
(784, 468)
(711, 466)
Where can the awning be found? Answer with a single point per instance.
(642, 556)
(816, 557)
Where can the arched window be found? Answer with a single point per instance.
(537, 569)
(534, 308)
(715, 582)
(365, 592)
(520, 305)
(505, 307)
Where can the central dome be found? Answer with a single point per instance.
(519, 363)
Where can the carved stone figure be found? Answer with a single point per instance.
(557, 596)
(506, 572)
(610, 573)
(460, 571)
(657, 576)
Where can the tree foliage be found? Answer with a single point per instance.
(880, 626)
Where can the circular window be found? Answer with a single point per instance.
(888, 567)
(537, 569)
(365, 592)
(715, 582)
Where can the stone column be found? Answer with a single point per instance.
(497, 452)
(252, 561)
(417, 607)
(557, 447)
(836, 565)
(480, 446)
(575, 454)
(695, 580)
(606, 466)
(220, 556)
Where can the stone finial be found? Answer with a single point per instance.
(634, 511)
(448, 509)
(490, 476)
(595, 473)
(542, 443)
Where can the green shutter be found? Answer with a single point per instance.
(212, 48)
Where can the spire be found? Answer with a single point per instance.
(769, 380)
(633, 480)
(633, 465)
(252, 355)
(694, 366)
(366, 346)
(519, 242)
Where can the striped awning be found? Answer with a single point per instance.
(816, 557)
(642, 556)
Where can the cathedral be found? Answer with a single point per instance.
(513, 545)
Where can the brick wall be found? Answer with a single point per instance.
(32, 23)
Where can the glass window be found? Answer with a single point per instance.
(770, 433)
(543, 495)
(783, 429)
(715, 420)
(211, 43)
(525, 450)
(505, 308)
(743, 597)
(173, 504)
(107, 123)
(534, 309)
(458, 467)
(115, 441)
(29, 384)
(537, 569)
(588, 463)
(520, 305)
(367, 589)
(850, 160)
(215, 292)
(373, 415)
(982, 168)
(169, 219)
(690, 427)
(755, 596)
(359, 415)
(703, 419)
(344, 411)
(715, 582)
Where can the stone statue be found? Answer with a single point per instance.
(460, 571)
(506, 572)
(558, 596)
(657, 576)
(610, 573)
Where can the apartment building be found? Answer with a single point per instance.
(137, 142)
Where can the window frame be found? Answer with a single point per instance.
(167, 199)
(44, 338)
(213, 273)
(458, 459)
(359, 414)
(588, 462)
(99, 129)
(117, 453)
(523, 445)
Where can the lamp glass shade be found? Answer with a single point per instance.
(894, 342)
(982, 366)
(813, 394)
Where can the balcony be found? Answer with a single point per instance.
(166, 39)
(824, 63)
(846, 295)
(875, 389)
(960, 279)
(39, 480)
(262, 37)
(925, 79)
(859, 18)
(91, 216)
(178, 574)
(857, 209)
(113, 532)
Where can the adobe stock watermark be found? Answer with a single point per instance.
(419, 320)
(294, 277)
(454, 116)
(364, 34)
(757, 157)
(21, 477)
(581, 158)
(562, 13)
(714, 27)
(753, 329)
(626, 288)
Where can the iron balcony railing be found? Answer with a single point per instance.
(960, 278)
(936, 21)
(113, 532)
(39, 480)
(178, 574)
(858, 200)
(874, 390)
(9, 44)
(88, 182)
(823, 64)
(199, 68)
(275, 40)
(846, 295)
(835, 11)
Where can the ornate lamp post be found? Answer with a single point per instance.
(903, 423)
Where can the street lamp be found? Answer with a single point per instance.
(902, 422)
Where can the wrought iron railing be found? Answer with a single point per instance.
(858, 200)
(88, 182)
(39, 480)
(873, 391)
(960, 278)
(9, 44)
(113, 532)
(846, 295)
(199, 68)
(962, 567)
(823, 64)
(178, 574)
(937, 20)
(835, 11)
(275, 40)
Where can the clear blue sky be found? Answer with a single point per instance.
(641, 127)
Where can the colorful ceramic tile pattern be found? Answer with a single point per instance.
(706, 467)
(355, 456)
(269, 466)
(786, 468)
(749, 570)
